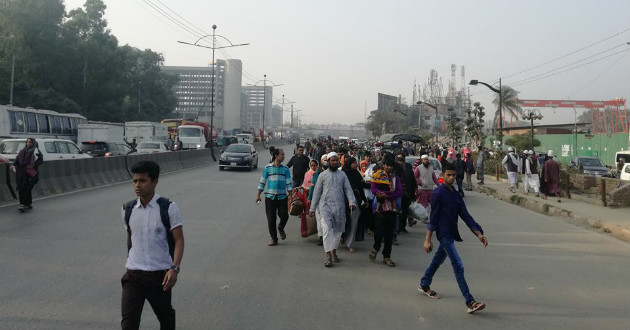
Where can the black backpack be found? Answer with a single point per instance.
(164, 204)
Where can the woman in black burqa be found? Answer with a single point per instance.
(354, 230)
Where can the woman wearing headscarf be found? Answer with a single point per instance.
(25, 168)
(350, 168)
(308, 176)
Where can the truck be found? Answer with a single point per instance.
(193, 135)
(144, 131)
(100, 132)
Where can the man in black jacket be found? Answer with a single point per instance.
(299, 162)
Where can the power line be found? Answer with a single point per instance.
(569, 69)
(601, 74)
(178, 15)
(561, 57)
(170, 18)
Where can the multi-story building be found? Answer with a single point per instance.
(255, 100)
(386, 102)
(194, 92)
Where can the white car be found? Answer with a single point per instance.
(52, 149)
(151, 148)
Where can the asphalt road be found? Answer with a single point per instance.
(61, 267)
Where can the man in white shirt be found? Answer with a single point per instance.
(154, 255)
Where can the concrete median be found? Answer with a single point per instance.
(6, 191)
(168, 161)
(194, 158)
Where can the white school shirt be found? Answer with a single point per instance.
(149, 247)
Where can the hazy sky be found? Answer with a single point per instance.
(334, 56)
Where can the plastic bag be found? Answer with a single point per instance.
(417, 211)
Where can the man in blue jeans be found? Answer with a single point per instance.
(446, 206)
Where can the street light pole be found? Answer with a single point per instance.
(264, 109)
(500, 92)
(530, 115)
(214, 47)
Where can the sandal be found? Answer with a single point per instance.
(351, 250)
(328, 263)
(335, 259)
(474, 306)
(389, 262)
(372, 255)
(430, 293)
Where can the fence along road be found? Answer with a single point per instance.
(63, 261)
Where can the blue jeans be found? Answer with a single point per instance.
(447, 248)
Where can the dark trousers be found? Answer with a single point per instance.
(139, 285)
(480, 174)
(279, 207)
(25, 187)
(385, 225)
(25, 194)
(401, 219)
(460, 182)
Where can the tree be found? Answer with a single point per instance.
(522, 141)
(72, 63)
(453, 127)
(475, 125)
(510, 103)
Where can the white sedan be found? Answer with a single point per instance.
(151, 148)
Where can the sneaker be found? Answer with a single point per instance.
(283, 235)
(389, 262)
(474, 306)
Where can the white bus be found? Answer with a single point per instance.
(16, 123)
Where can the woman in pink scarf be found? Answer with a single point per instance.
(308, 176)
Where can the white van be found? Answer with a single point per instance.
(246, 138)
(52, 149)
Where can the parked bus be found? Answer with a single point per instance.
(16, 123)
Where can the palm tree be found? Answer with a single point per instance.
(510, 103)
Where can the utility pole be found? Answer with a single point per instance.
(12, 77)
(291, 115)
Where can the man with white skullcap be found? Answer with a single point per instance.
(531, 178)
(511, 163)
(328, 200)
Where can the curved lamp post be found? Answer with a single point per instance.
(213, 47)
(498, 91)
(531, 114)
(264, 80)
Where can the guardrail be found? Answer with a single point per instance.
(68, 175)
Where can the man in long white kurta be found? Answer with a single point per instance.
(328, 200)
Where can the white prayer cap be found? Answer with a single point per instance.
(324, 157)
(530, 152)
(511, 149)
(332, 154)
(424, 157)
(550, 153)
